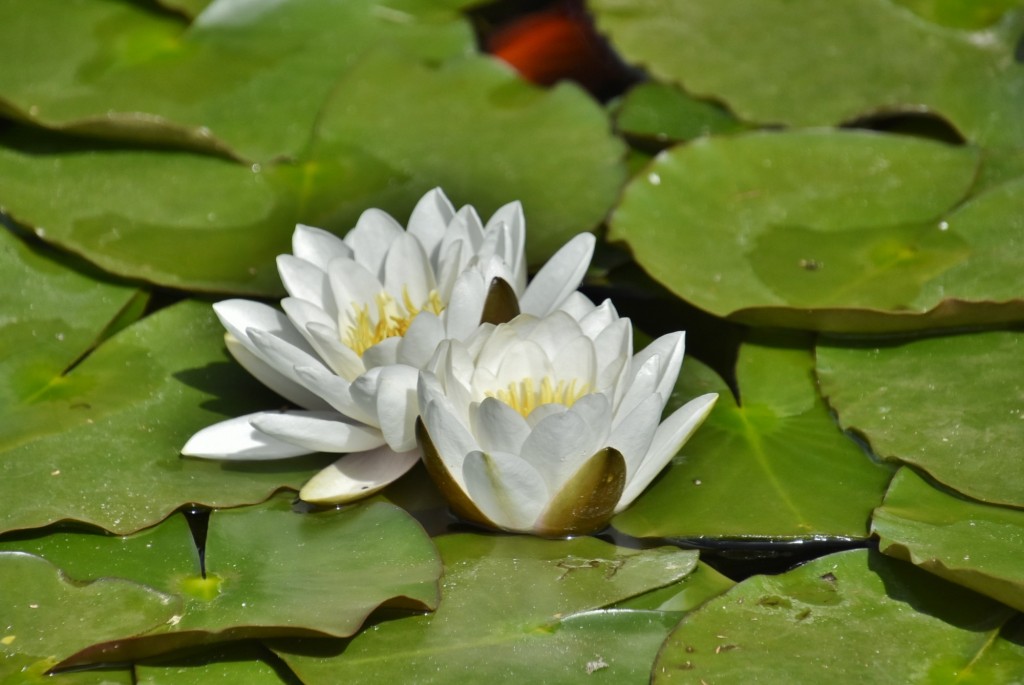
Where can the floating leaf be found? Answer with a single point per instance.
(838, 231)
(850, 617)
(247, 79)
(48, 617)
(773, 466)
(131, 210)
(953, 406)
(976, 545)
(243, 663)
(100, 444)
(268, 572)
(684, 595)
(531, 608)
(664, 114)
(780, 62)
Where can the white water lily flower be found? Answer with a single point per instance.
(550, 425)
(364, 314)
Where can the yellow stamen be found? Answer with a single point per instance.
(525, 396)
(393, 319)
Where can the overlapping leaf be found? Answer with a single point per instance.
(773, 465)
(976, 545)
(132, 210)
(268, 572)
(849, 617)
(100, 444)
(513, 608)
(838, 231)
(662, 114)
(953, 406)
(244, 78)
(779, 62)
(47, 616)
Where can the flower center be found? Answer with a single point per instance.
(527, 394)
(393, 319)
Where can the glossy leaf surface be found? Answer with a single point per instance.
(825, 63)
(513, 607)
(950, 405)
(973, 544)
(849, 617)
(837, 231)
(773, 465)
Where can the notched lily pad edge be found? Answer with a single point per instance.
(951, 313)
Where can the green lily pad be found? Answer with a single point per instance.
(100, 444)
(47, 616)
(850, 617)
(39, 285)
(245, 663)
(245, 79)
(684, 595)
(952, 406)
(975, 14)
(130, 210)
(772, 465)
(514, 609)
(471, 127)
(268, 572)
(664, 114)
(779, 62)
(975, 545)
(836, 231)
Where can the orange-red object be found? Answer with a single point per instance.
(554, 44)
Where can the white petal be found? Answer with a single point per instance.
(353, 286)
(383, 353)
(669, 349)
(451, 438)
(514, 252)
(302, 313)
(552, 332)
(595, 321)
(429, 220)
(577, 305)
(407, 271)
(294, 392)
(633, 434)
(420, 341)
(450, 268)
(359, 475)
(560, 277)
(237, 439)
(336, 391)
(466, 305)
(306, 282)
(397, 406)
(644, 384)
(340, 357)
(577, 361)
(319, 431)
(498, 427)
(282, 355)
(523, 359)
(238, 316)
(317, 246)
(614, 348)
(506, 489)
(372, 237)
(558, 446)
(668, 440)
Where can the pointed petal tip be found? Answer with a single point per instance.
(357, 476)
